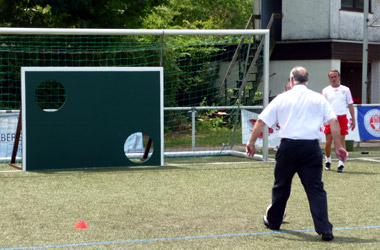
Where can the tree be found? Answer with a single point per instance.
(75, 13)
(200, 14)
(184, 58)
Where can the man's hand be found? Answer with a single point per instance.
(353, 124)
(352, 113)
(341, 154)
(250, 149)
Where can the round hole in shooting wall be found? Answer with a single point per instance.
(50, 96)
(138, 147)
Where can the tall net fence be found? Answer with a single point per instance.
(374, 20)
(374, 8)
(207, 79)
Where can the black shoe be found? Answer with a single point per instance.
(327, 166)
(327, 237)
(269, 225)
(340, 169)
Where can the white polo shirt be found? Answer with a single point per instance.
(338, 97)
(300, 113)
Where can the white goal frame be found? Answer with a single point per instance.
(165, 32)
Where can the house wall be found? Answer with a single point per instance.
(307, 19)
(325, 21)
(318, 70)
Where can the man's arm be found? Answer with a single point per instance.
(340, 152)
(352, 113)
(257, 129)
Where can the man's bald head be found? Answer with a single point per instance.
(299, 75)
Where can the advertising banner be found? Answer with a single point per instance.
(8, 126)
(248, 120)
(369, 123)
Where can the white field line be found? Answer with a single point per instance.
(215, 163)
(366, 159)
(10, 171)
(253, 162)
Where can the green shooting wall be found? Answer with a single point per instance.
(103, 106)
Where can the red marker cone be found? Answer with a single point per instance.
(81, 225)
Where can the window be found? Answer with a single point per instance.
(354, 5)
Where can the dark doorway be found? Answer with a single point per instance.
(268, 7)
(351, 76)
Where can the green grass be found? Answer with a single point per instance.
(206, 136)
(184, 199)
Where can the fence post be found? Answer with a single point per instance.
(193, 115)
(365, 52)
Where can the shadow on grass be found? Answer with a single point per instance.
(136, 169)
(337, 239)
(149, 169)
(354, 173)
(110, 169)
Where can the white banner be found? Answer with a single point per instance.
(248, 120)
(8, 126)
(352, 135)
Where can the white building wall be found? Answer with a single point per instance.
(318, 73)
(334, 19)
(306, 19)
(324, 19)
(350, 25)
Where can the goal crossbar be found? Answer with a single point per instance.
(62, 31)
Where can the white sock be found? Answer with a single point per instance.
(328, 159)
(341, 163)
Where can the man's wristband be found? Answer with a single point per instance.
(250, 144)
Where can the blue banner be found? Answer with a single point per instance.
(369, 123)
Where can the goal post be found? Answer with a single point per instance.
(202, 103)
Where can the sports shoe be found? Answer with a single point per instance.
(327, 237)
(340, 169)
(269, 225)
(327, 166)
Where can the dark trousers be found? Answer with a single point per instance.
(303, 157)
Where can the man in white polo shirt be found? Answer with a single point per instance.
(339, 96)
(300, 113)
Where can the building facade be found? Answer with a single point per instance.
(323, 35)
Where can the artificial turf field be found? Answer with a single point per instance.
(203, 203)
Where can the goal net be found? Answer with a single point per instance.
(210, 76)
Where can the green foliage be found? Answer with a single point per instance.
(200, 14)
(75, 13)
(259, 95)
(50, 95)
(167, 14)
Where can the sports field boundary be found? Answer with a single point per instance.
(270, 160)
(184, 238)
